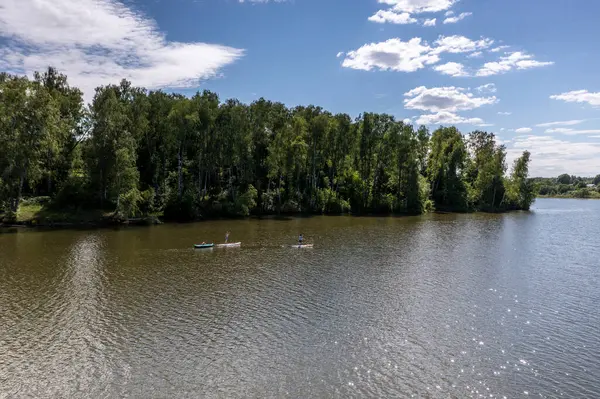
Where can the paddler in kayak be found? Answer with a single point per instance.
(300, 239)
(226, 237)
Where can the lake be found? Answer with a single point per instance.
(437, 306)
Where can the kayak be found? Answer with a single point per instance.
(302, 246)
(230, 245)
(200, 246)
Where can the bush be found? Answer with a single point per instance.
(291, 206)
(246, 202)
(328, 201)
(74, 191)
(547, 190)
(128, 204)
(384, 203)
(582, 193)
(268, 201)
(184, 209)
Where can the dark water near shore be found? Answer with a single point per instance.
(440, 306)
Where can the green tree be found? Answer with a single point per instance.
(111, 151)
(485, 171)
(445, 169)
(30, 125)
(135, 151)
(564, 179)
(521, 193)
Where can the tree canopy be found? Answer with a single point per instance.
(136, 151)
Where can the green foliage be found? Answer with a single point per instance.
(329, 202)
(134, 153)
(128, 204)
(521, 191)
(246, 202)
(581, 187)
(564, 179)
(485, 172)
(446, 166)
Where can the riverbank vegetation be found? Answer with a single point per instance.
(134, 152)
(567, 186)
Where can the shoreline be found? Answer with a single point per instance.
(567, 197)
(106, 222)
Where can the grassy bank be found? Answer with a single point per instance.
(37, 214)
(33, 214)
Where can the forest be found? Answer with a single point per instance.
(568, 186)
(133, 152)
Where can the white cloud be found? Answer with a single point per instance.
(460, 17)
(419, 6)
(476, 54)
(579, 96)
(402, 10)
(407, 121)
(397, 55)
(516, 60)
(393, 54)
(561, 123)
(523, 130)
(505, 113)
(552, 157)
(460, 44)
(447, 118)
(559, 130)
(383, 16)
(98, 42)
(340, 54)
(449, 13)
(490, 87)
(569, 131)
(498, 49)
(451, 68)
(449, 99)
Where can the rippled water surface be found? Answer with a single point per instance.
(440, 306)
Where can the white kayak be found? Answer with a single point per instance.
(302, 246)
(229, 245)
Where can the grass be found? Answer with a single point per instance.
(39, 214)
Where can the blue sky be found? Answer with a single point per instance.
(524, 69)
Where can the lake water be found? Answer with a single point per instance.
(439, 306)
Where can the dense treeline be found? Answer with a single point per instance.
(568, 186)
(136, 152)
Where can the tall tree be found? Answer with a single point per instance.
(521, 192)
(111, 154)
(30, 125)
(445, 169)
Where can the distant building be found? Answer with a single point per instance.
(591, 186)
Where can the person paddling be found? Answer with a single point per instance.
(226, 237)
(300, 239)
